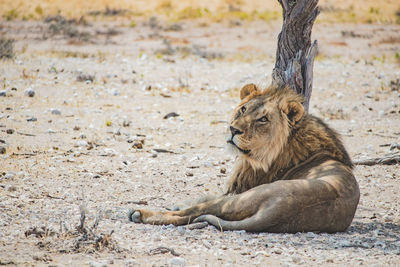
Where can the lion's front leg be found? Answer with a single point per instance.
(159, 217)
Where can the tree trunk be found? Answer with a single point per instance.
(295, 53)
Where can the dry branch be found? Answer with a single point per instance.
(295, 53)
(390, 159)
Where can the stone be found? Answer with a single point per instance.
(177, 261)
(3, 93)
(130, 263)
(81, 143)
(31, 119)
(55, 111)
(50, 131)
(97, 264)
(29, 92)
(3, 150)
(9, 176)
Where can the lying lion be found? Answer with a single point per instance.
(292, 173)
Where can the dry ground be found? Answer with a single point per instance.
(88, 140)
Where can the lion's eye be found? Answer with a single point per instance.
(263, 119)
(243, 109)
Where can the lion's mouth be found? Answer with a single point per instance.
(244, 151)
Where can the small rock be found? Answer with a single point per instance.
(130, 263)
(97, 264)
(108, 152)
(29, 92)
(12, 188)
(3, 150)
(394, 146)
(310, 235)
(10, 131)
(31, 119)
(50, 131)
(189, 174)
(370, 148)
(9, 176)
(297, 260)
(137, 145)
(3, 93)
(115, 92)
(177, 261)
(55, 111)
(126, 123)
(81, 143)
(222, 170)
(77, 128)
(344, 243)
(117, 131)
(339, 95)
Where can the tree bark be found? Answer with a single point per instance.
(295, 53)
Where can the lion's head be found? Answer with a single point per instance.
(261, 124)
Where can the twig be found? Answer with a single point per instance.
(26, 134)
(163, 250)
(50, 196)
(389, 159)
(140, 202)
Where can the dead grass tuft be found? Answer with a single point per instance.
(82, 238)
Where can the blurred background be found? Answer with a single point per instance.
(367, 11)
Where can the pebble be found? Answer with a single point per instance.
(50, 131)
(55, 111)
(130, 263)
(31, 119)
(3, 93)
(344, 243)
(97, 264)
(177, 261)
(117, 131)
(3, 150)
(81, 143)
(9, 176)
(310, 235)
(126, 123)
(115, 92)
(29, 92)
(137, 145)
(10, 131)
(109, 152)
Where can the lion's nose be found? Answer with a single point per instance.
(235, 131)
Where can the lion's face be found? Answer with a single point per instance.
(262, 122)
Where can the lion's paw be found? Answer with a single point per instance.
(135, 216)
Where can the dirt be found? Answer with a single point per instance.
(86, 129)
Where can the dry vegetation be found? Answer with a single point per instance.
(368, 11)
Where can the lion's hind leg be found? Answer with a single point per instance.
(252, 224)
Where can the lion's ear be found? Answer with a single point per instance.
(247, 90)
(293, 110)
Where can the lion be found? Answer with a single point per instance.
(292, 172)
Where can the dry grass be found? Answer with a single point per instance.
(367, 11)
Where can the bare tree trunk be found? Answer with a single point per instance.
(295, 53)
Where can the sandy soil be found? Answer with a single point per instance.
(88, 140)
